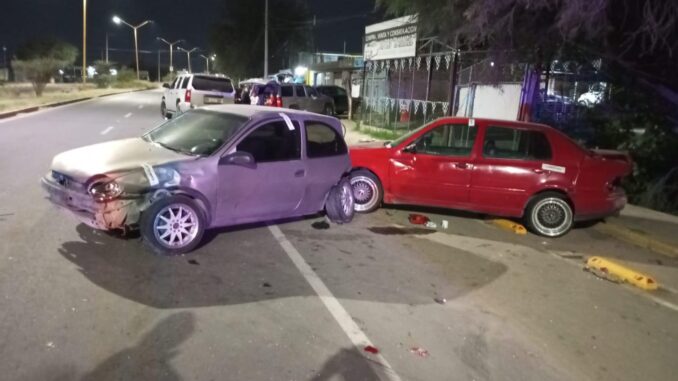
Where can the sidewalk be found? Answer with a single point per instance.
(354, 137)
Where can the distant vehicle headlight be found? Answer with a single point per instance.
(105, 190)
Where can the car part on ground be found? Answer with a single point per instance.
(340, 205)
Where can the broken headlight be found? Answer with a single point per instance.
(105, 190)
(167, 176)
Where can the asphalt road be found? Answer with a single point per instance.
(289, 301)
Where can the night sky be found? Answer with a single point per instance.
(189, 20)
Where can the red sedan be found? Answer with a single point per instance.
(497, 167)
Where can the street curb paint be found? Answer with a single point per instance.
(627, 235)
(509, 225)
(618, 273)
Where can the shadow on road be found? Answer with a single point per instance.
(248, 265)
(150, 358)
(349, 365)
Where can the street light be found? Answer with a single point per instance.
(171, 45)
(188, 56)
(207, 61)
(118, 21)
(84, 39)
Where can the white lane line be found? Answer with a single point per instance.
(128, 115)
(107, 130)
(354, 333)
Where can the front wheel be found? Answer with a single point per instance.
(367, 191)
(549, 214)
(173, 225)
(340, 205)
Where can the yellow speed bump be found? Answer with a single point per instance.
(509, 225)
(615, 272)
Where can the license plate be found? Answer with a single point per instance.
(213, 100)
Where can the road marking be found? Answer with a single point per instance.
(128, 115)
(107, 130)
(350, 328)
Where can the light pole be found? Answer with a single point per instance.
(266, 40)
(171, 45)
(4, 56)
(207, 61)
(84, 40)
(188, 56)
(118, 21)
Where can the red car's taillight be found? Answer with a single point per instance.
(187, 97)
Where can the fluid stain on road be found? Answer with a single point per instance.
(392, 230)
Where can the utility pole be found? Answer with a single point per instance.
(171, 52)
(344, 46)
(106, 47)
(188, 56)
(84, 41)
(158, 65)
(4, 55)
(118, 21)
(266, 40)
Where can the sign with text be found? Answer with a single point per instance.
(395, 38)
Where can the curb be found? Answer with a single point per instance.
(615, 272)
(509, 225)
(639, 239)
(27, 110)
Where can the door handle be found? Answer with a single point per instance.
(461, 165)
(299, 173)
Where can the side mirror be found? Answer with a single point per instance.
(412, 148)
(243, 159)
(165, 85)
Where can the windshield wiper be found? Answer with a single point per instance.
(165, 146)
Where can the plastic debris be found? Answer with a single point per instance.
(431, 225)
(445, 224)
(440, 300)
(371, 349)
(421, 352)
(193, 262)
(320, 225)
(418, 219)
(50, 345)
(266, 284)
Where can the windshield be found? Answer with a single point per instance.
(401, 139)
(197, 132)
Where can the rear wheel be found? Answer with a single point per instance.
(173, 225)
(163, 109)
(340, 205)
(367, 191)
(549, 214)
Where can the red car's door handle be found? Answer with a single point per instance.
(299, 173)
(461, 165)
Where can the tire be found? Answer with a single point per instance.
(367, 191)
(549, 214)
(328, 110)
(182, 208)
(340, 206)
(163, 109)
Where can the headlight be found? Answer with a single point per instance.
(103, 191)
(167, 176)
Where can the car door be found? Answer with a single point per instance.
(510, 168)
(300, 98)
(326, 160)
(170, 97)
(436, 168)
(275, 187)
(314, 102)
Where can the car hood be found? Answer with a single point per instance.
(112, 157)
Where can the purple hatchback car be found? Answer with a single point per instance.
(210, 167)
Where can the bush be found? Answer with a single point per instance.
(126, 75)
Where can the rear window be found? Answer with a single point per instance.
(286, 91)
(323, 140)
(511, 143)
(222, 85)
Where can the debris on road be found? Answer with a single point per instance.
(193, 262)
(509, 225)
(431, 225)
(445, 224)
(440, 300)
(394, 230)
(418, 219)
(320, 225)
(266, 284)
(50, 345)
(615, 272)
(421, 352)
(371, 349)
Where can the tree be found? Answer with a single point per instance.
(238, 39)
(638, 36)
(39, 59)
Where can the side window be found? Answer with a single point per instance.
(512, 143)
(300, 91)
(177, 82)
(273, 142)
(323, 140)
(448, 140)
(311, 91)
(286, 91)
(341, 92)
(185, 83)
(174, 83)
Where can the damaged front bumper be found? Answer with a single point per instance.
(112, 215)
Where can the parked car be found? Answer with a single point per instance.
(210, 167)
(503, 168)
(189, 91)
(302, 97)
(338, 94)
